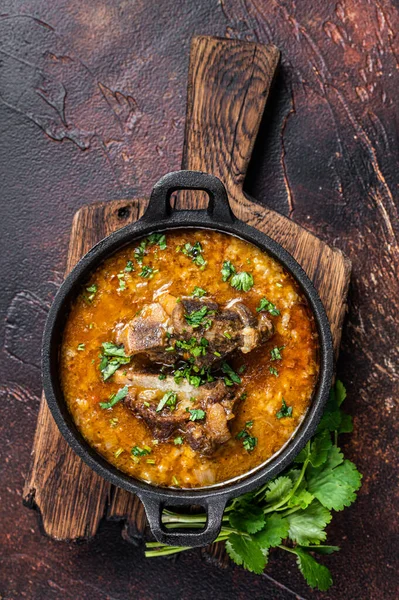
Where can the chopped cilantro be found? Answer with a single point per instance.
(169, 399)
(285, 411)
(276, 353)
(195, 253)
(198, 292)
(122, 282)
(118, 452)
(227, 335)
(248, 441)
(139, 252)
(228, 269)
(242, 281)
(197, 318)
(162, 376)
(147, 272)
(137, 451)
(267, 306)
(129, 266)
(81, 347)
(92, 289)
(112, 358)
(113, 422)
(196, 414)
(231, 375)
(273, 371)
(178, 441)
(115, 398)
(157, 238)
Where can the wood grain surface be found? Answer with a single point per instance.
(92, 108)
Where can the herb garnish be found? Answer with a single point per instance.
(178, 440)
(273, 371)
(157, 238)
(147, 272)
(92, 289)
(242, 281)
(276, 353)
(267, 306)
(195, 375)
(169, 399)
(295, 506)
(139, 252)
(195, 253)
(122, 282)
(196, 414)
(197, 318)
(231, 376)
(198, 292)
(285, 411)
(129, 266)
(248, 441)
(193, 346)
(137, 451)
(115, 398)
(81, 347)
(228, 269)
(112, 358)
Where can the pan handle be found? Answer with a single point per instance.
(159, 205)
(214, 508)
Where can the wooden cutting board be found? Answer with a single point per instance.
(229, 82)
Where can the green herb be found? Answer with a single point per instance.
(114, 422)
(244, 396)
(92, 289)
(81, 347)
(139, 252)
(228, 269)
(129, 266)
(122, 282)
(295, 506)
(162, 376)
(169, 399)
(111, 359)
(178, 441)
(195, 376)
(193, 346)
(242, 369)
(216, 353)
(137, 451)
(157, 238)
(248, 441)
(273, 371)
(115, 398)
(196, 414)
(195, 253)
(227, 335)
(118, 452)
(147, 272)
(276, 353)
(175, 481)
(231, 376)
(285, 411)
(267, 306)
(242, 281)
(197, 318)
(198, 292)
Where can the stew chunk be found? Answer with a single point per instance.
(168, 329)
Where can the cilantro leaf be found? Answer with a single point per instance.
(301, 498)
(315, 574)
(336, 482)
(285, 411)
(346, 425)
(169, 399)
(196, 414)
(157, 238)
(197, 317)
(278, 488)
(231, 375)
(111, 349)
(228, 269)
(308, 526)
(115, 398)
(112, 358)
(322, 549)
(246, 552)
(242, 281)
(247, 517)
(198, 292)
(195, 253)
(274, 531)
(267, 306)
(320, 448)
(340, 392)
(137, 451)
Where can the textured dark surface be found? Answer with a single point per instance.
(92, 99)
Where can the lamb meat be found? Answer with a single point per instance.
(211, 405)
(168, 330)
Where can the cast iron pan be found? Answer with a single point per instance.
(160, 216)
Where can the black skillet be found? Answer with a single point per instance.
(160, 216)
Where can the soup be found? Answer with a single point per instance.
(189, 358)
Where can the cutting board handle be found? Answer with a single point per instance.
(228, 85)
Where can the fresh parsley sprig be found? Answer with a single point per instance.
(290, 512)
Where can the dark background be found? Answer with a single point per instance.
(92, 103)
